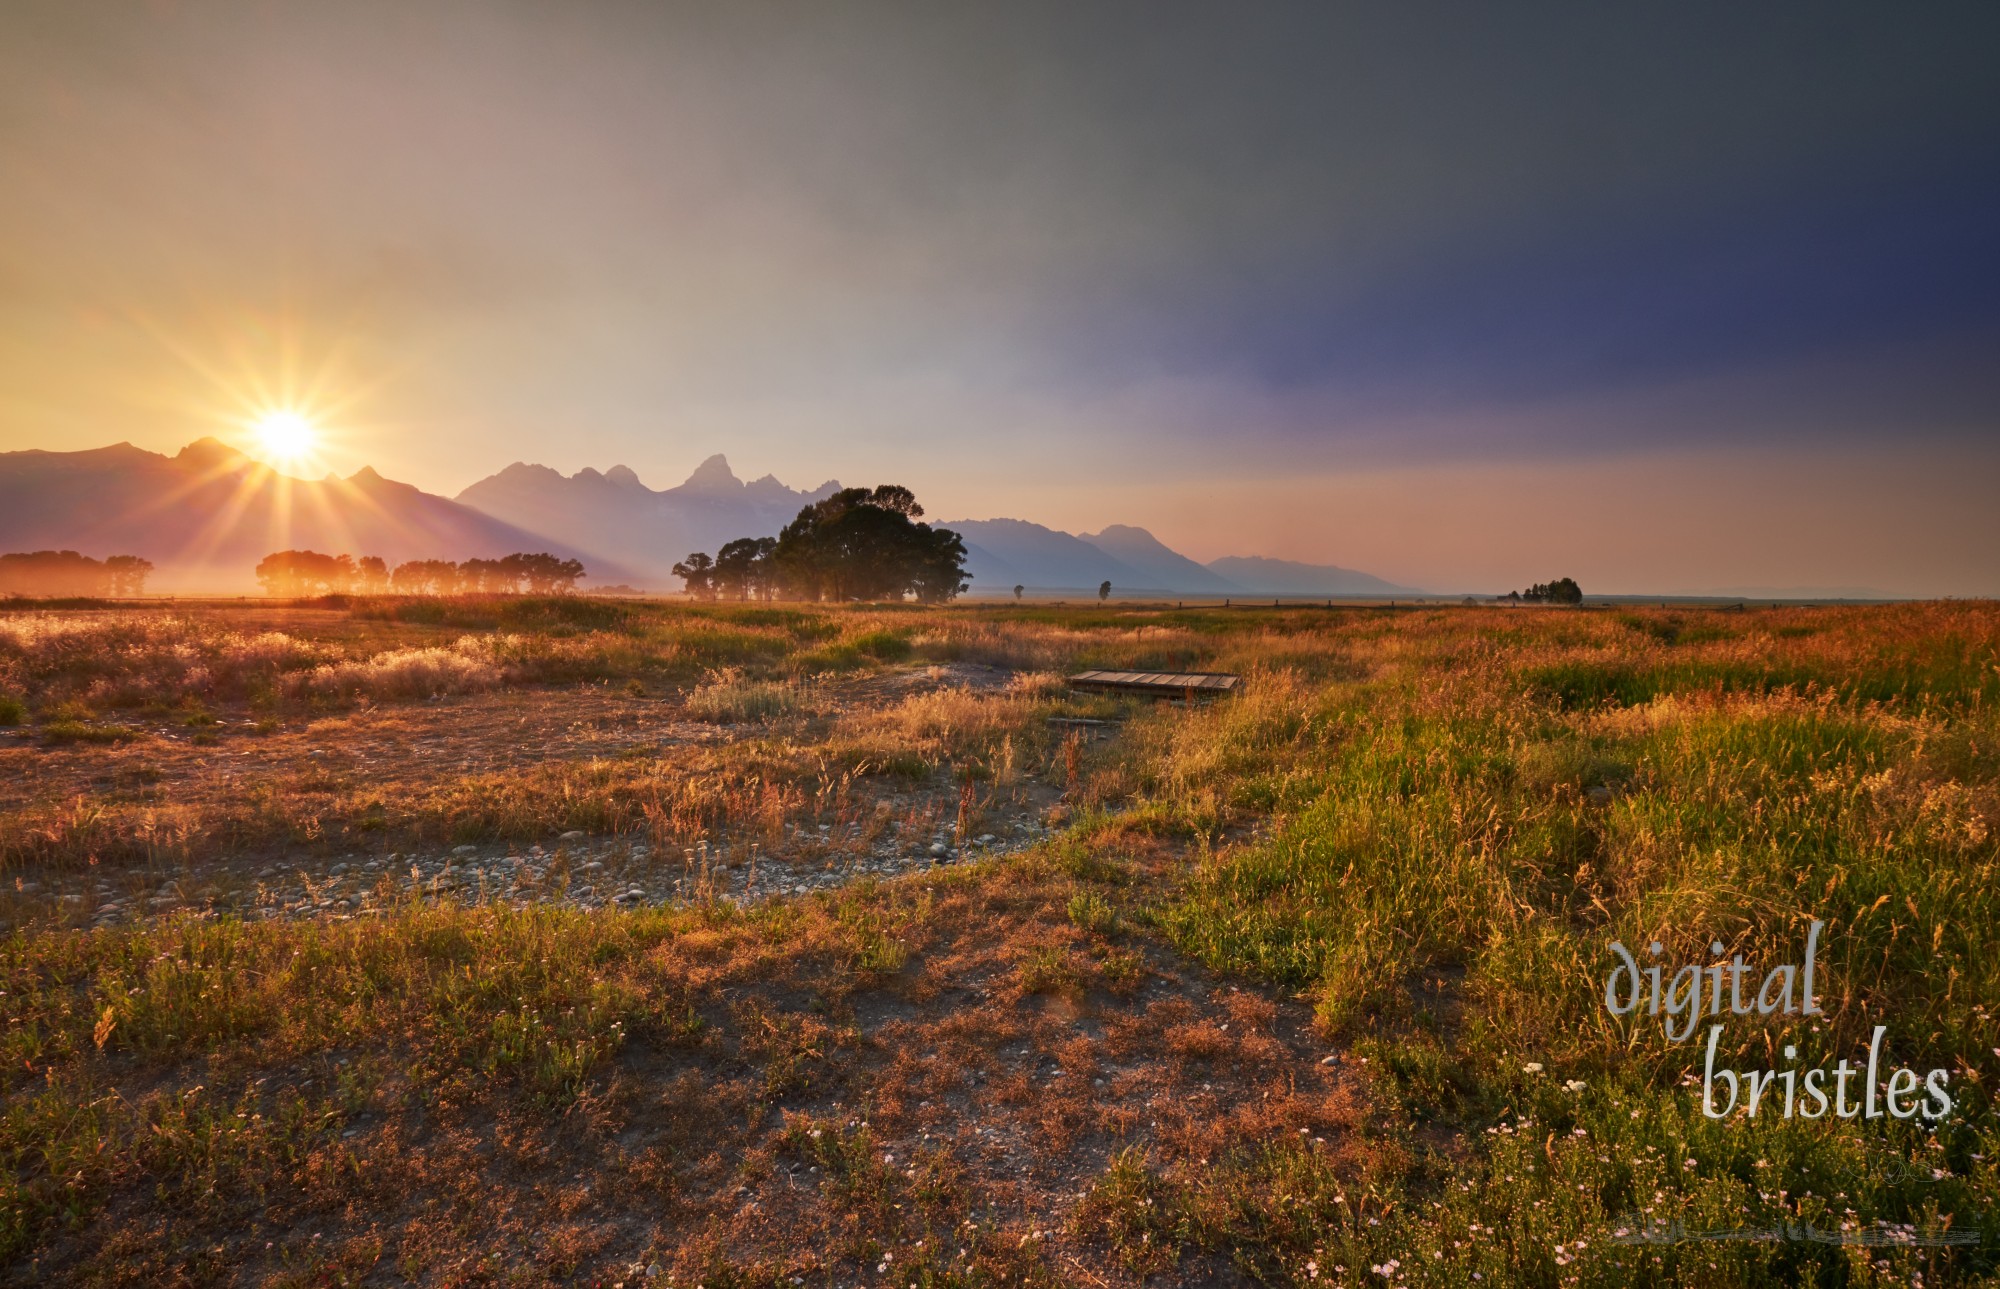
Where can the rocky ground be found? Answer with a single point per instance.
(576, 871)
(895, 827)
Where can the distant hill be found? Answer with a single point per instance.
(1254, 573)
(612, 516)
(1004, 552)
(207, 515)
(1157, 563)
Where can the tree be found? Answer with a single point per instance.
(554, 576)
(127, 574)
(863, 544)
(427, 577)
(544, 573)
(1103, 592)
(858, 544)
(487, 576)
(937, 575)
(294, 573)
(1561, 591)
(371, 574)
(51, 573)
(1018, 588)
(742, 568)
(697, 573)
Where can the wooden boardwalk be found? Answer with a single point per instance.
(1160, 684)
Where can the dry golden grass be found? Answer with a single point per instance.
(1395, 859)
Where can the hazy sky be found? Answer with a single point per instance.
(1466, 296)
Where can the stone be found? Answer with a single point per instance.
(573, 834)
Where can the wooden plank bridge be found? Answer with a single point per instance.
(1159, 684)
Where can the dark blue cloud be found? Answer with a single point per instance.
(1776, 279)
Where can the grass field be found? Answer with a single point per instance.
(571, 941)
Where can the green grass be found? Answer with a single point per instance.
(1424, 826)
(1449, 880)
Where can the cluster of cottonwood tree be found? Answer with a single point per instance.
(68, 573)
(857, 544)
(1561, 591)
(311, 573)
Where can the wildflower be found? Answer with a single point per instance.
(1535, 1067)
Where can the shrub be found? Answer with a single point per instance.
(400, 673)
(889, 646)
(1092, 912)
(60, 732)
(726, 698)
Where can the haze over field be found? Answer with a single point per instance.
(1699, 298)
(205, 516)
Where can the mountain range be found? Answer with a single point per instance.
(206, 516)
(615, 514)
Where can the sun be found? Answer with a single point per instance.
(286, 436)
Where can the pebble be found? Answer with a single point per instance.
(283, 892)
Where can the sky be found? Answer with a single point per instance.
(1691, 297)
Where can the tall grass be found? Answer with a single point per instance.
(1467, 823)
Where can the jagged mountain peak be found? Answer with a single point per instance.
(1122, 532)
(209, 451)
(714, 475)
(523, 471)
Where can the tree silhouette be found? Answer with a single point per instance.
(697, 572)
(426, 577)
(544, 573)
(128, 574)
(1561, 591)
(311, 573)
(49, 573)
(371, 574)
(1018, 588)
(743, 568)
(858, 544)
(294, 573)
(1103, 592)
